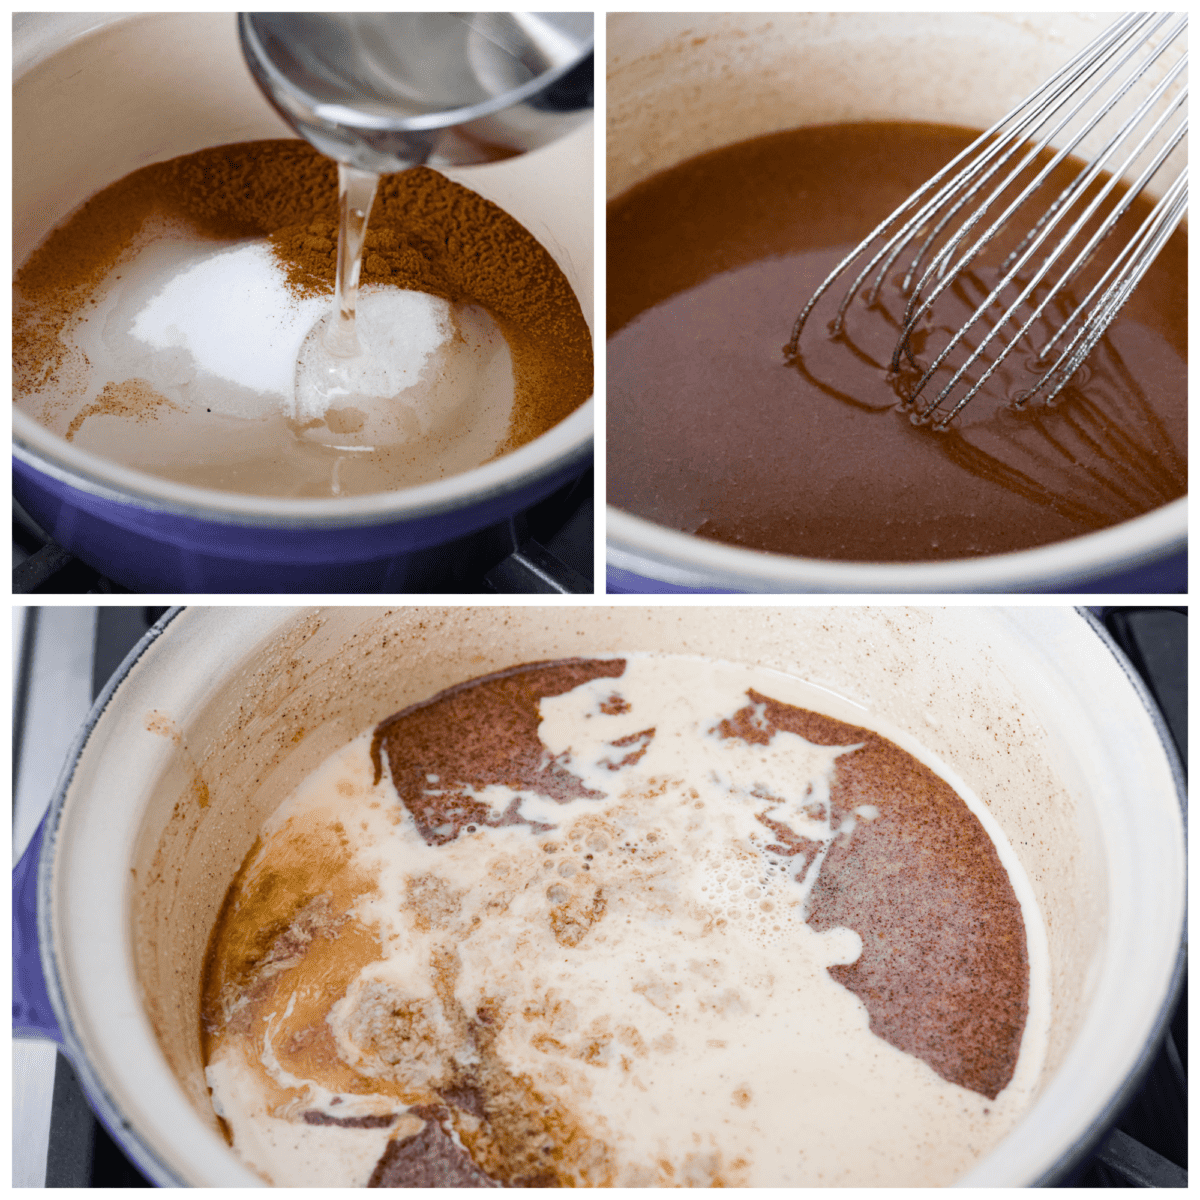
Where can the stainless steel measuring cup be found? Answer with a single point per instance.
(387, 91)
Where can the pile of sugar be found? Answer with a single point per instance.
(208, 339)
(231, 311)
(419, 375)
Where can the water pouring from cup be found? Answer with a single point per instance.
(384, 92)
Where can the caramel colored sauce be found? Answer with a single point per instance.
(711, 432)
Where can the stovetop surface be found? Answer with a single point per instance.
(80, 650)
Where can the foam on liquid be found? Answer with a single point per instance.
(694, 1029)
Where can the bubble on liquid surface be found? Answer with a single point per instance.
(422, 370)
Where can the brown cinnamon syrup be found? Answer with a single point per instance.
(711, 432)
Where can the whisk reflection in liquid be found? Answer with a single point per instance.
(1123, 99)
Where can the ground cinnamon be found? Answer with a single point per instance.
(132, 398)
(426, 234)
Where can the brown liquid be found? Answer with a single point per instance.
(711, 432)
(944, 971)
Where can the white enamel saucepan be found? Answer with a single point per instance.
(680, 84)
(218, 714)
(96, 96)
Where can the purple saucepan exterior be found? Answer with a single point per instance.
(160, 549)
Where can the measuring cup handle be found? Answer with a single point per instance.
(33, 1014)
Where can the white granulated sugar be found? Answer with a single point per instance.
(233, 312)
(400, 331)
(214, 330)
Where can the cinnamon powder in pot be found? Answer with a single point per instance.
(426, 234)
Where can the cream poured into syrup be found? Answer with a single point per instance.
(633, 922)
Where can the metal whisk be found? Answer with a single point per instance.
(1123, 99)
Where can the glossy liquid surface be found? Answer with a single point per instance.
(709, 432)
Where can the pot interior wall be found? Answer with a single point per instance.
(951, 679)
(683, 83)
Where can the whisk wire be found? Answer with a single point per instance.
(1077, 189)
(1040, 134)
(1145, 107)
(965, 155)
(1140, 253)
(921, 302)
(1110, 223)
(1015, 137)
